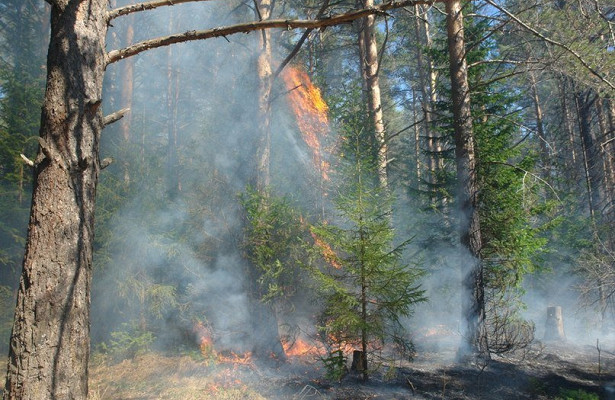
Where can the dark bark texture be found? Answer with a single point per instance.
(49, 346)
(467, 193)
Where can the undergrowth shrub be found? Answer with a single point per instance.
(128, 342)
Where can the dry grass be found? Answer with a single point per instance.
(154, 376)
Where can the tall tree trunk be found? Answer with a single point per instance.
(127, 76)
(469, 223)
(544, 147)
(585, 103)
(49, 349)
(263, 68)
(370, 68)
(603, 142)
(427, 80)
(571, 165)
(173, 177)
(265, 323)
(608, 147)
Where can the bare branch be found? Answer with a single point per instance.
(27, 160)
(513, 62)
(554, 43)
(104, 163)
(148, 5)
(247, 27)
(116, 116)
(528, 173)
(303, 38)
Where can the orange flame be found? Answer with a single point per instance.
(206, 346)
(310, 111)
(326, 251)
(300, 347)
(234, 358)
(204, 338)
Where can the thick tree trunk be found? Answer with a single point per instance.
(370, 68)
(49, 347)
(469, 223)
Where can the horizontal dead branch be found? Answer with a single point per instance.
(148, 5)
(338, 19)
(116, 116)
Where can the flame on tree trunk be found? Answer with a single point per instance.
(311, 113)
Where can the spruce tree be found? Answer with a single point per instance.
(366, 287)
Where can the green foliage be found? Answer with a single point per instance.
(274, 242)
(364, 285)
(127, 342)
(335, 365)
(576, 394)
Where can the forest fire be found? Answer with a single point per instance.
(326, 251)
(205, 340)
(301, 348)
(311, 113)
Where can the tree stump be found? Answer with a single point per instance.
(554, 326)
(358, 361)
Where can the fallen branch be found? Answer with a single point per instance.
(116, 55)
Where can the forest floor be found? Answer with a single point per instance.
(544, 371)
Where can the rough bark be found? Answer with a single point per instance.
(264, 72)
(467, 192)
(370, 69)
(49, 346)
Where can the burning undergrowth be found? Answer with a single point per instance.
(544, 371)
